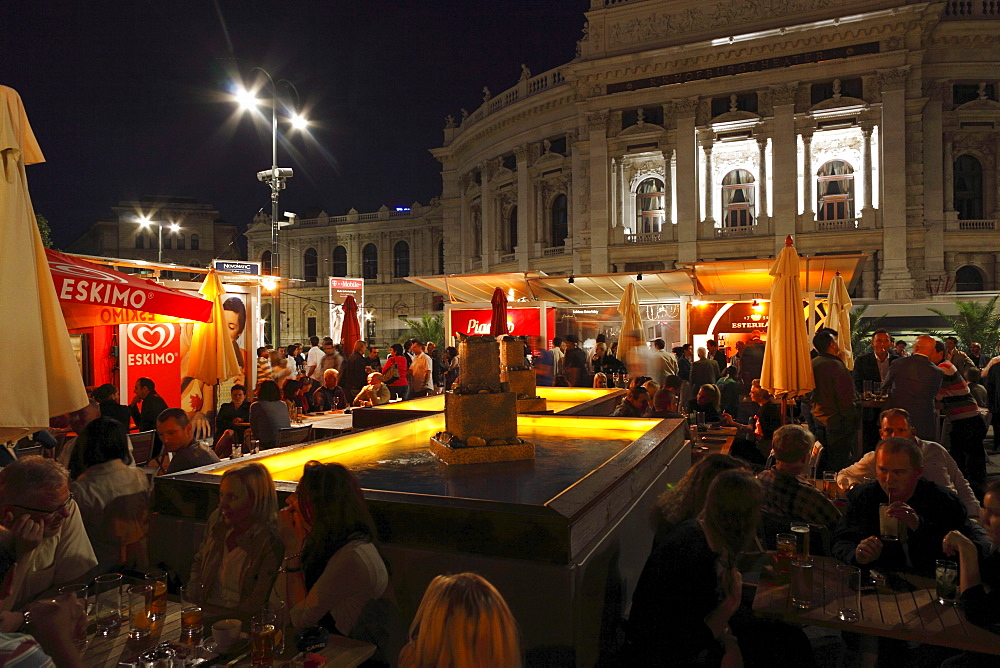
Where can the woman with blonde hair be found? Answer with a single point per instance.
(239, 557)
(462, 622)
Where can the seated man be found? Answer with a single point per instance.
(939, 467)
(52, 622)
(634, 403)
(177, 435)
(78, 421)
(786, 494)
(107, 397)
(146, 405)
(925, 512)
(375, 393)
(330, 396)
(37, 489)
(664, 405)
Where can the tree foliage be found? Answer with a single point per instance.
(44, 230)
(975, 322)
(862, 329)
(430, 327)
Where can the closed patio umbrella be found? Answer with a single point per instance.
(498, 322)
(351, 332)
(631, 336)
(787, 371)
(838, 317)
(213, 357)
(29, 395)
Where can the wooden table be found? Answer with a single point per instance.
(340, 652)
(905, 615)
(708, 441)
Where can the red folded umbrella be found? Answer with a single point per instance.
(498, 323)
(91, 294)
(350, 333)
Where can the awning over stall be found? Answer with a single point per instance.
(92, 295)
(747, 277)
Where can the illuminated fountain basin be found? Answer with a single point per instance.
(559, 400)
(563, 536)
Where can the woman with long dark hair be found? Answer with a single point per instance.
(332, 568)
(394, 373)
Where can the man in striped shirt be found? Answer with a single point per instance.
(962, 412)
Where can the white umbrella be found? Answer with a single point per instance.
(838, 317)
(631, 335)
(787, 371)
(28, 302)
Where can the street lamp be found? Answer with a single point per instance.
(274, 177)
(146, 223)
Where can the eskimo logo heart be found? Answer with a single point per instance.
(151, 337)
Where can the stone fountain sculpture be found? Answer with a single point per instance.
(519, 378)
(480, 413)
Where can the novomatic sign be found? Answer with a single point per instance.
(237, 266)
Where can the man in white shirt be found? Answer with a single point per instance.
(939, 466)
(39, 488)
(313, 359)
(421, 378)
(664, 363)
(557, 357)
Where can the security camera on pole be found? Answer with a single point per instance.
(275, 178)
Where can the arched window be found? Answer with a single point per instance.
(265, 262)
(340, 261)
(969, 279)
(968, 188)
(560, 221)
(649, 214)
(835, 191)
(511, 230)
(180, 242)
(737, 199)
(310, 265)
(195, 242)
(140, 240)
(440, 262)
(369, 262)
(168, 242)
(401, 260)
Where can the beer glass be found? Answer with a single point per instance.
(787, 546)
(140, 610)
(262, 634)
(802, 582)
(108, 603)
(157, 579)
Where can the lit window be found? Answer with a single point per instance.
(649, 213)
(835, 191)
(738, 199)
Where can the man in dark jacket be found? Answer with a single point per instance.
(833, 405)
(873, 367)
(146, 405)
(913, 383)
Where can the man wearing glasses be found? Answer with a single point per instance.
(53, 547)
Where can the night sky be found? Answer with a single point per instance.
(130, 98)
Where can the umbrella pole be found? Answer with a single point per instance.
(784, 410)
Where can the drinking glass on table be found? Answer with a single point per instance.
(802, 532)
(140, 609)
(191, 613)
(830, 486)
(802, 582)
(946, 575)
(157, 579)
(888, 526)
(849, 601)
(108, 603)
(78, 592)
(787, 546)
(262, 634)
(278, 611)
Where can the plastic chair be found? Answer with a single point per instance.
(817, 454)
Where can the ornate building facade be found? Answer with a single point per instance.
(693, 130)
(382, 247)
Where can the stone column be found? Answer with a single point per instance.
(668, 195)
(486, 216)
(762, 180)
(895, 281)
(784, 157)
(597, 124)
(808, 182)
(709, 186)
(866, 133)
(687, 181)
(465, 224)
(948, 163)
(933, 179)
(525, 213)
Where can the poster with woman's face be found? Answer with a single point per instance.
(196, 396)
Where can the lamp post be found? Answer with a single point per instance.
(146, 222)
(275, 178)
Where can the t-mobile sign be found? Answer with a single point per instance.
(339, 289)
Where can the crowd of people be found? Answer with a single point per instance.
(85, 510)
